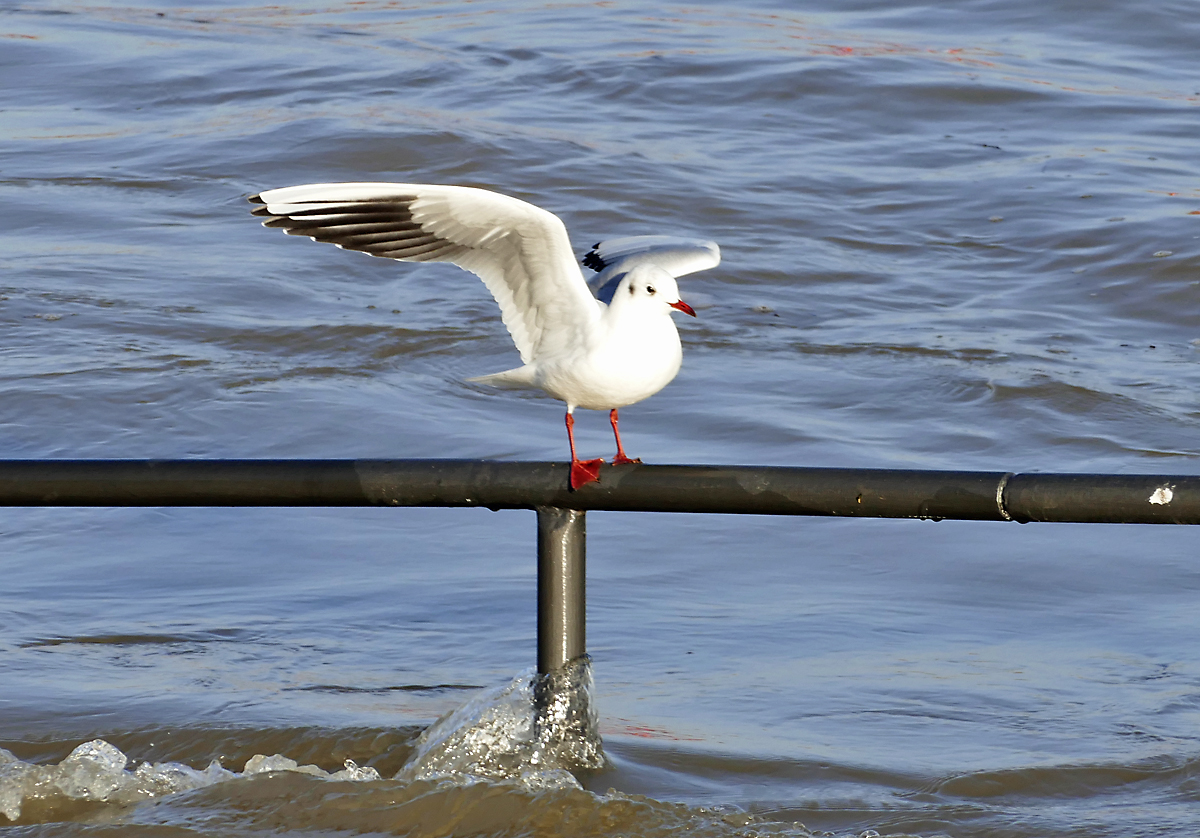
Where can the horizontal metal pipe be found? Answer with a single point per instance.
(863, 493)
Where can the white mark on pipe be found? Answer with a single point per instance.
(1000, 487)
(1162, 495)
(755, 484)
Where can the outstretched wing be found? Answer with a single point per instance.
(614, 258)
(521, 252)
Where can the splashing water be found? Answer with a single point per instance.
(95, 772)
(480, 766)
(535, 730)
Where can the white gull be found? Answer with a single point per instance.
(599, 354)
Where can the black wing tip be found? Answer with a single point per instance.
(594, 260)
(256, 199)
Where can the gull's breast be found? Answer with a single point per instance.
(622, 368)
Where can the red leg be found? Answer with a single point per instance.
(620, 458)
(583, 472)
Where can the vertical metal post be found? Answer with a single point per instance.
(566, 727)
(562, 581)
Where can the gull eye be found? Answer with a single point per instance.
(651, 290)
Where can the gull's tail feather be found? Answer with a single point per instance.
(518, 378)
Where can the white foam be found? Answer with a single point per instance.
(95, 771)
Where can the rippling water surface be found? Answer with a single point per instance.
(962, 237)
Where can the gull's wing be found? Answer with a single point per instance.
(521, 252)
(614, 258)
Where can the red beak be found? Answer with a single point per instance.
(682, 306)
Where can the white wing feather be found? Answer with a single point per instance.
(614, 258)
(520, 251)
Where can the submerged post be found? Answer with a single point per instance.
(562, 583)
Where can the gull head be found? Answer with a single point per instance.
(648, 289)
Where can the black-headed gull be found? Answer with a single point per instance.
(599, 354)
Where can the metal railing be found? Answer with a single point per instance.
(863, 493)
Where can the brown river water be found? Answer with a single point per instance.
(957, 237)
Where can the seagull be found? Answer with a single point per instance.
(600, 347)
